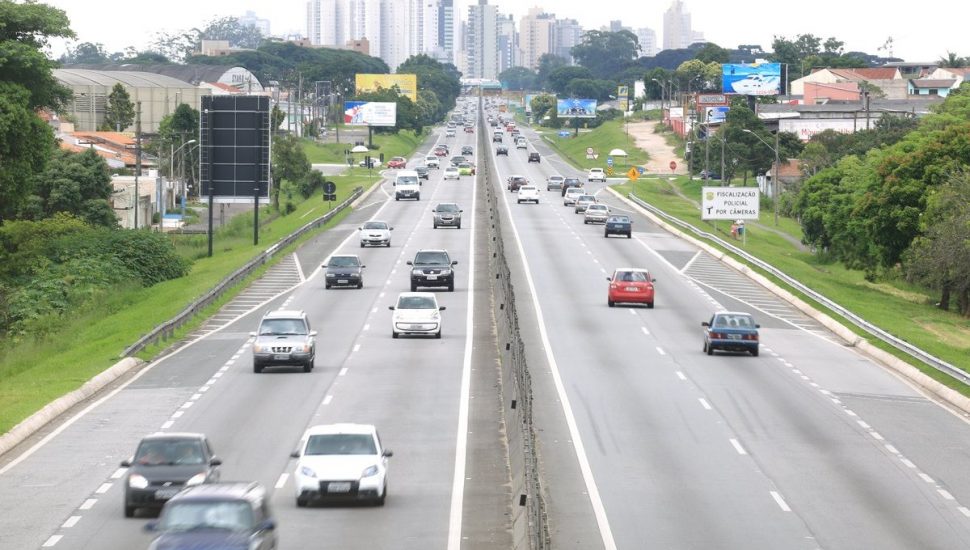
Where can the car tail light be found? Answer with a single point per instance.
(718, 336)
(753, 337)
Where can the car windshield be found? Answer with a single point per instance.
(398, 159)
(375, 225)
(281, 327)
(230, 515)
(431, 159)
(416, 302)
(451, 169)
(405, 180)
(343, 261)
(631, 276)
(733, 320)
(447, 207)
(518, 179)
(431, 258)
(169, 452)
(341, 444)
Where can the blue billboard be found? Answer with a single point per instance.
(576, 108)
(756, 79)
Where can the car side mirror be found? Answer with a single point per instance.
(391, 229)
(388, 453)
(126, 463)
(313, 333)
(390, 308)
(323, 265)
(295, 454)
(410, 262)
(454, 262)
(442, 308)
(757, 326)
(267, 525)
(653, 280)
(461, 210)
(215, 461)
(610, 279)
(705, 324)
(360, 229)
(252, 334)
(151, 527)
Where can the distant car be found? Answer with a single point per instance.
(501, 150)
(450, 132)
(374, 163)
(284, 337)
(441, 151)
(573, 193)
(217, 515)
(375, 233)
(570, 182)
(451, 173)
(397, 162)
(618, 225)
(423, 172)
(341, 462)
(528, 193)
(630, 285)
(466, 169)
(582, 201)
(416, 314)
(344, 270)
(458, 159)
(469, 129)
(708, 175)
(432, 161)
(432, 268)
(521, 143)
(163, 465)
(447, 214)
(596, 174)
(497, 136)
(515, 182)
(467, 150)
(596, 213)
(554, 182)
(731, 331)
(533, 157)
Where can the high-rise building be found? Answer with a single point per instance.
(327, 22)
(447, 30)
(568, 34)
(648, 42)
(481, 41)
(508, 44)
(536, 36)
(251, 20)
(678, 33)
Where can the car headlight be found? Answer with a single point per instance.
(330, 275)
(258, 348)
(307, 471)
(446, 272)
(417, 272)
(370, 471)
(196, 479)
(136, 481)
(305, 348)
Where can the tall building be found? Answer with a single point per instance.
(536, 36)
(447, 30)
(327, 22)
(398, 34)
(568, 34)
(678, 33)
(251, 20)
(648, 42)
(508, 44)
(481, 41)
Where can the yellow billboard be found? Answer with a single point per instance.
(407, 83)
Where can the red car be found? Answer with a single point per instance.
(441, 151)
(469, 130)
(397, 162)
(630, 285)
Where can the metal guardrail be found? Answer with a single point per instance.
(167, 329)
(901, 345)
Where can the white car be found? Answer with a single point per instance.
(451, 173)
(596, 213)
(528, 193)
(583, 201)
(341, 462)
(432, 161)
(571, 195)
(450, 132)
(375, 233)
(554, 182)
(596, 174)
(521, 143)
(416, 313)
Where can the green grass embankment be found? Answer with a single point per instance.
(610, 135)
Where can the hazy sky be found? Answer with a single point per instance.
(920, 32)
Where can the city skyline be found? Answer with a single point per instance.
(856, 25)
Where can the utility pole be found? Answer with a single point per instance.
(776, 179)
(137, 155)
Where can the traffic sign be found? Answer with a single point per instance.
(609, 161)
(329, 187)
(589, 150)
(633, 174)
(609, 170)
(673, 165)
(641, 170)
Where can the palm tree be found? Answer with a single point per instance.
(953, 61)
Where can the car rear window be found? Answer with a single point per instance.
(733, 321)
(234, 515)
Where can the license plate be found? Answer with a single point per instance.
(734, 336)
(342, 281)
(338, 487)
(281, 357)
(432, 277)
(165, 494)
(631, 289)
(415, 327)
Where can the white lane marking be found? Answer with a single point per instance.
(964, 510)
(374, 310)
(71, 522)
(118, 473)
(850, 412)
(196, 396)
(381, 295)
(461, 445)
(327, 399)
(632, 312)
(877, 436)
(88, 504)
(781, 502)
(282, 480)
(356, 348)
(891, 449)
(299, 267)
(178, 414)
(52, 541)
(367, 327)
(945, 494)
(908, 463)
(925, 477)
(863, 424)
(738, 447)
(187, 404)
(599, 511)
(230, 362)
(704, 403)
(661, 351)
(342, 372)
(167, 425)
(681, 375)
(204, 389)
(645, 331)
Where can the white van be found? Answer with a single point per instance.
(407, 185)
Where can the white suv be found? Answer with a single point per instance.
(432, 161)
(596, 174)
(528, 193)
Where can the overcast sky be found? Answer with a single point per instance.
(920, 32)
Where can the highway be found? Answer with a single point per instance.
(644, 440)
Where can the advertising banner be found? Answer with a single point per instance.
(370, 113)
(807, 128)
(407, 83)
(758, 79)
(639, 89)
(715, 115)
(576, 108)
(730, 203)
(622, 92)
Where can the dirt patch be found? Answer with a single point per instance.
(661, 153)
(948, 334)
(914, 297)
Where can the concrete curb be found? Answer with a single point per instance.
(903, 368)
(368, 193)
(52, 410)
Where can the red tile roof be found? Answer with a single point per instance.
(867, 73)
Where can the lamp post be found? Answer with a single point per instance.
(171, 170)
(662, 90)
(775, 181)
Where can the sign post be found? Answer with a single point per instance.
(673, 166)
(633, 174)
(731, 203)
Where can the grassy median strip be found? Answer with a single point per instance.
(610, 135)
(33, 374)
(401, 144)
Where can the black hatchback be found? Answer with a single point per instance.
(570, 182)
(163, 465)
(619, 225)
(432, 268)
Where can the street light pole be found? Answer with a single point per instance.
(775, 182)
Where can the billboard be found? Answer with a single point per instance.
(756, 79)
(715, 115)
(639, 89)
(235, 145)
(730, 203)
(407, 83)
(807, 128)
(370, 113)
(576, 108)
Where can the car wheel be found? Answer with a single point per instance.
(362, 245)
(435, 226)
(451, 286)
(649, 305)
(394, 334)
(606, 234)
(710, 349)
(629, 235)
(438, 334)
(414, 287)
(417, 197)
(308, 366)
(459, 225)
(380, 500)
(326, 286)
(129, 511)
(585, 222)
(301, 502)
(518, 202)
(754, 352)
(388, 243)
(610, 303)
(397, 198)
(257, 368)
(360, 284)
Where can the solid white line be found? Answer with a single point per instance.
(863, 424)
(908, 463)
(925, 477)
(964, 510)
(599, 511)
(738, 447)
(282, 480)
(342, 372)
(71, 522)
(704, 403)
(327, 399)
(876, 435)
(681, 375)
(88, 504)
(53, 540)
(461, 444)
(891, 449)
(781, 502)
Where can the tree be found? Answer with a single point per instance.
(547, 64)
(543, 105)
(712, 53)
(173, 131)
(24, 33)
(695, 75)
(289, 163)
(119, 113)
(605, 54)
(85, 52)
(440, 82)
(231, 30)
(952, 61)
(26, 143)
(657, 83)
(519, 79)
(73, 183)
(559, 79)
(601, 90)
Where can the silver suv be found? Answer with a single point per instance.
(284, 338)
(447, 214)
